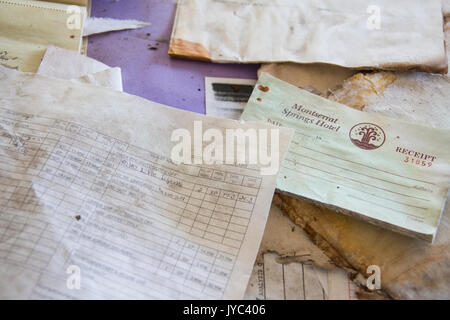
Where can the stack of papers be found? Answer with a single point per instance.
(388, 172)
(151, 202)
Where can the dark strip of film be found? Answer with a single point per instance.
(232, 92)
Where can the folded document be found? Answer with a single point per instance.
(28, 27)
(376, 34)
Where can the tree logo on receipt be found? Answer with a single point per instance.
(367, 136)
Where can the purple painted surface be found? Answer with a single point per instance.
(150, 73)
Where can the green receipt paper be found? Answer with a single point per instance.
(388, 172)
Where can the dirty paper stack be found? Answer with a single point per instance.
(297, 185)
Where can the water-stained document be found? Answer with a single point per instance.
(391, 173)
(28, 27)
(92, 205)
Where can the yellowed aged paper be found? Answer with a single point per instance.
(24, 34)
(288, 266)
(388, 172)
(380, 34)
(88, 184)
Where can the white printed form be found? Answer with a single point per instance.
(92, 207)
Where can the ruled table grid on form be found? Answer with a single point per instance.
(117, 202)
(397, 192)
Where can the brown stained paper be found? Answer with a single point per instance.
(409, 269)
(412, 96)
(446, 7)
(335, 32)
(227, 97)
(290, 267)
(87, 182)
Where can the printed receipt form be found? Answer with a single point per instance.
(391, 173)
(92, 206)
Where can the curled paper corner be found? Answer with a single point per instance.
(95, 25)
(364, 293)
(110, 78)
